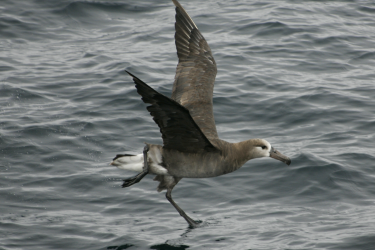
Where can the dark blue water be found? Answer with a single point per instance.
(297, 73)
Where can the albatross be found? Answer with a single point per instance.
(191, 146)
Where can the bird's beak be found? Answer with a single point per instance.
(279, 156)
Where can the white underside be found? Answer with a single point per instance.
(132, 163)
(136, 163)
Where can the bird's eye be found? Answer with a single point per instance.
(264, 147)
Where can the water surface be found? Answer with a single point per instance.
(297, 73)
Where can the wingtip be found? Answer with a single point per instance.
(184, 13)
(133, 76)
(129, 73)
(175, 2)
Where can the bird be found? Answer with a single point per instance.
(191, 146)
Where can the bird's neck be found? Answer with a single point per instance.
(245, 149)
(235, 154)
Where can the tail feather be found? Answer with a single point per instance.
(119, 155)
(128, 162)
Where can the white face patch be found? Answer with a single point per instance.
(262, 151)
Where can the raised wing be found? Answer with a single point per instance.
(195, 73)
(178, 129)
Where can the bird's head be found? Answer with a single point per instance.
(262, 148)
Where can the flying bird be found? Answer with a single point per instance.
(191, 146)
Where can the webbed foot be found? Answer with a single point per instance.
(133, 180)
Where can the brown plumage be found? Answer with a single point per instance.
(191, 146)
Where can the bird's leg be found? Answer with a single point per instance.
(189, 220)
(135, 179)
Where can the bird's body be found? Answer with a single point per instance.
(229, 158)
(191, 146)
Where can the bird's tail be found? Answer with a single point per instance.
(128, 162)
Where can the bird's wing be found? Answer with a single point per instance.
(178, 129)
(195, 73)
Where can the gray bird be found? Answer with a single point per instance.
(191, 147)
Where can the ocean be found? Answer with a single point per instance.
(299, 74)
